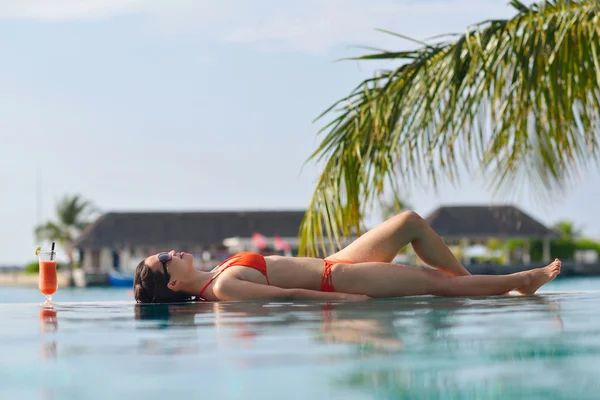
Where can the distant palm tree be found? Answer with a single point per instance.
(567, 230)
(518, 98)
(73, 215)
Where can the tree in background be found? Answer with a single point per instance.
(516, 98)
(567, 230)
(73, 214)
(564, 247)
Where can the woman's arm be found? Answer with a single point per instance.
(236, 289)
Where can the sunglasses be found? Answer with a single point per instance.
(164, 258)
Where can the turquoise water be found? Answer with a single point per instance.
(101, 346)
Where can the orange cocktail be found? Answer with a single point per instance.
(48, 280)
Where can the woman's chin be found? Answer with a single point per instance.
(189, 258)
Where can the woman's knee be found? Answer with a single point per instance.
(409, 218)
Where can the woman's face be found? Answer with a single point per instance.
(179, 265)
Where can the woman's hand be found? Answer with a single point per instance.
(354, 297)
(236, 290)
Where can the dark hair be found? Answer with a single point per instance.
(167, 315)
(151, 287)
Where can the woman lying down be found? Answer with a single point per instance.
(362, 270)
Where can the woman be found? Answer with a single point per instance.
(360, 271)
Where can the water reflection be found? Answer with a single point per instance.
(370, 334)
(373, 326)
(398, 348)
(545, 346)
(508, 347)
(244, 322)
(48, 317)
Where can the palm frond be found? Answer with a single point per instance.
(50, 231)
(73, 215)
(518, 99)
(74, 211)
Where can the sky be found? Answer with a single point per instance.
(201, 105)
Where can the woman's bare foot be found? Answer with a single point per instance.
(539, 277)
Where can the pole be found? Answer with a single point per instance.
(38, 197)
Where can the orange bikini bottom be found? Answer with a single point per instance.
(326, 281)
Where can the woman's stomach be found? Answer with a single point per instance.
(295, 272)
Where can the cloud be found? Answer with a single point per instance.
(183, 11)
(65, 9)
(312, 26)
(323, 24)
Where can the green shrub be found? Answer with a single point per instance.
(587, 244)
(493, 260)
(34, 267)
(514, 244)
(560, 248)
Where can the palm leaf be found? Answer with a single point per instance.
(49, 231)
(73, 215)
(73, 211)
(517, 99)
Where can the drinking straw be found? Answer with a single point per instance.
(52, 252)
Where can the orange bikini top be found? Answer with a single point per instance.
(244, 259)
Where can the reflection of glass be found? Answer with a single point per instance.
(48, 280)
(48, 324)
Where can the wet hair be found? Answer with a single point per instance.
(167, 315)
(151, 287)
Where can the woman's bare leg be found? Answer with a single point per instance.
(382, 244)
(393, 280)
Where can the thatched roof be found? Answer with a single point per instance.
(185, 229)
(485, 222)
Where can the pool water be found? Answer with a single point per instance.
(99, 345)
